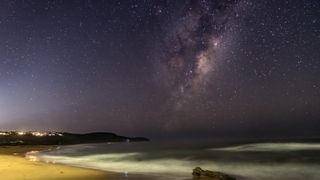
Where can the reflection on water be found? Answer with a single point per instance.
(246, 161)
(32, 156)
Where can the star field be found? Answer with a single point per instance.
(161, 67)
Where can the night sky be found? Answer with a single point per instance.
(154, 67)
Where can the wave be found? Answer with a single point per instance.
(250, 161)
(271, 147)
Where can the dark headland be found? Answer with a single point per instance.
(61, 138)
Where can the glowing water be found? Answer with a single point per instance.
(272, 147)
(250, 161)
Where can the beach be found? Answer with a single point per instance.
(162, 161)
(175, 160)
(14, 166)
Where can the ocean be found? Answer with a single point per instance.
(175, 160)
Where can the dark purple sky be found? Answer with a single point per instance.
(155, 67)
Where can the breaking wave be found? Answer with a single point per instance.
(247, 161)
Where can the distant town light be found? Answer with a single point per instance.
(33, 133)
(39, 133)
(4, 134)
(21, 133)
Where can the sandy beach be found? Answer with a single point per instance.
(13, 166)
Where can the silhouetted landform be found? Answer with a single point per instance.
(214, 175)
(61, 138)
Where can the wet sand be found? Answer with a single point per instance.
(14, 166)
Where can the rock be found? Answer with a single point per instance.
(214, 175)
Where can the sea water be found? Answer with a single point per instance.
(175, 160)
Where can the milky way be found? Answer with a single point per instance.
(191, 46)
(149, 67)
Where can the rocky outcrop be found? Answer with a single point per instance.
(206, 174)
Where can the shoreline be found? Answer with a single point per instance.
(14, 166)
